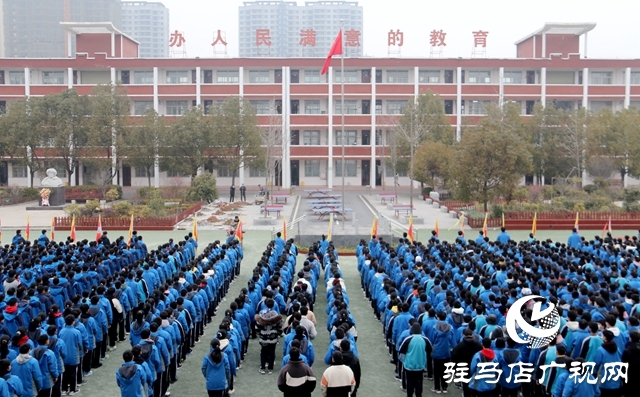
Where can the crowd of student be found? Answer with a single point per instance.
(446, 302)
(64, 305)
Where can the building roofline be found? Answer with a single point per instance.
(94, 27)
(578, 29)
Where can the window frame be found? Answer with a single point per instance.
(397, 76)
(261, 76)
(312, 168)
(312, 73)
(141, 172)
(351, 77)
(350, 167)
(261, 106)
(599, 77)
(22, 79)
(512, 73)
(394, 102)
(350, 135)
(143, 77)
(174, 104)
(147, 107)
(478, 75)
(23, 168)
(309, 138)
(54, 77)
(313, 103)
(178, 77)
(427, 76)
(227, 76)
(351, 106)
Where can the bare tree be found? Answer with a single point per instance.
(573, 139)
(272, 144)
(422, 117)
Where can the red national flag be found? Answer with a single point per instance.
(336, 49)
(99, 231)
(238, 233)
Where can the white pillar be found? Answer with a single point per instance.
(585, 44)
(585, 88)
(156, 108)
(416, 85)
(69, 44)
(543, 86)
(27, 82)
(627, 88)
(241, 81)
(198, 82)
(459, 104)
(29, 179)
(286, 131)
(501, 93)
(330, 132)
(544, 45)
(70, 78)
(156, 102)
(113, 45)
(373, 171)
(113, 75)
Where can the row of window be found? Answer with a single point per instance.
(350, 76)
(312, 168)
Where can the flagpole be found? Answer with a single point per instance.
(342, 105)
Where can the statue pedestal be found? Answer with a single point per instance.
(56, 200)
(57, 197)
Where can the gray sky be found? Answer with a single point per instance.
(615, 36)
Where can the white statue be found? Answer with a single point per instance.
(52, 179)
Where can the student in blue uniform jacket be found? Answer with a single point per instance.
(27, 369)
(216, 370)
(130, 377)
(48, 365)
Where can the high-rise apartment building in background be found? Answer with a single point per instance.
(147, 23)
(31, 28)
(284, 29)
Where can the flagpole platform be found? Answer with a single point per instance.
(46, 208)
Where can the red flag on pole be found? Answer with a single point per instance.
(99, 231)
(336, 49)
(73, 229)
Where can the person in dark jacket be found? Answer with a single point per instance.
(296, 379)
(351, 361)
(631, 355)
(268, 323)
(464, 352)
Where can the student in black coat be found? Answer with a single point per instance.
(352, 362)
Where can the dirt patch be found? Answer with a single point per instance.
(232, 206)
(213, 219)
(228, 222)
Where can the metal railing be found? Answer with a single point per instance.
(290, 226)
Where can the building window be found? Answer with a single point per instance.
(311, 107)
(227, 77)
(397, 76)
(601, 78)
(257, 173)
(477, 107)
(177, 108)
(175, 174)
(350, 107)
(396, 107)
(635, 78)
(18, 171)
(143, 77)
(142, 172)
(429, 76)
(140, 108)
(389, 170)
(177, 77)
(52, 77)
(259, 76)
(351, 137)
(311, 76)
(311, 137)
(596, 106)
(479, 77)
(350, 168)
(261, 106)
(350, 76)
(16, 77)
(312, 168)
(512, 78)
(224, 172)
